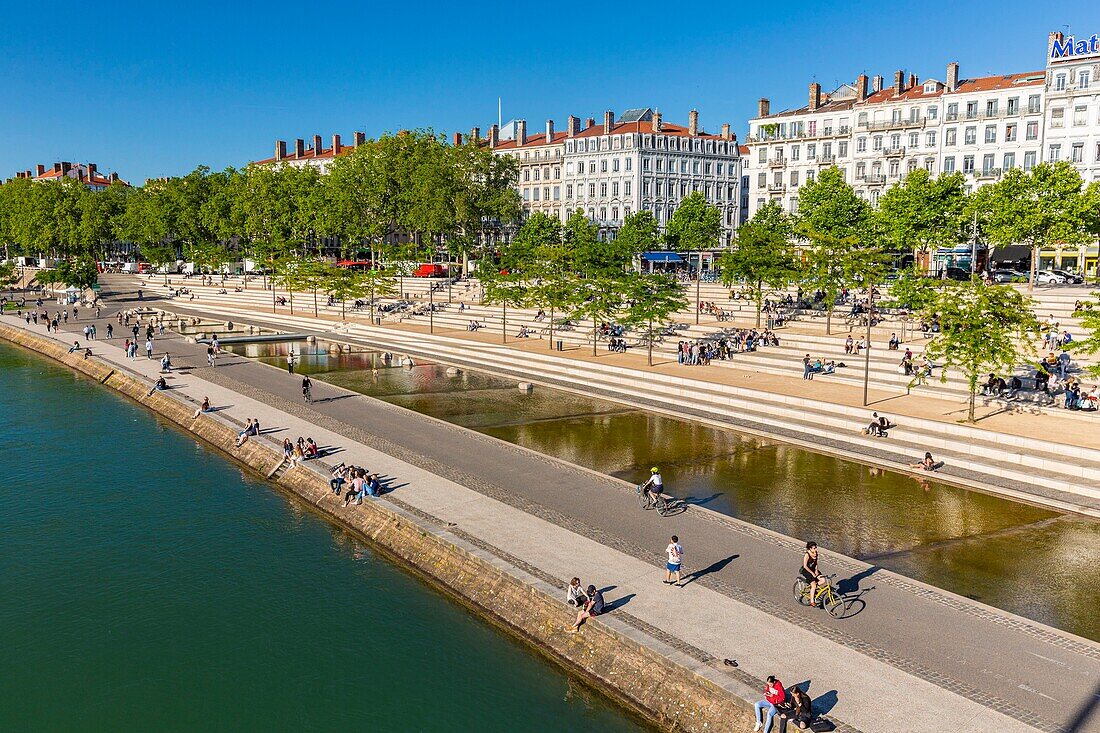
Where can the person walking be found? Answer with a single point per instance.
(774, 695)
(148, 348)
(675, 552)
(290, 363)
(807, 368)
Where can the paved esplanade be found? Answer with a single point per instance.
(914, 659)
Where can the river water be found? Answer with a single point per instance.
(1031, 561)
(149, 585)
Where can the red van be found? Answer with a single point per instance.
(428, 269)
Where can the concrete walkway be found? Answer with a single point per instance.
(914, 659)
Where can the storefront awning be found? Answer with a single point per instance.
(662, 257)
(1011, 253)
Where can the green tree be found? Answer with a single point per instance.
(599, 299)
(522, 254)
(504, 289)
(160, 256)
(1037, 208)
(651, 299)
(983, 328)
(695, 226)
(922, 212)
(829, 206)
(639, 233)
(762, 257)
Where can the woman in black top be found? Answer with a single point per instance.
(809, 569)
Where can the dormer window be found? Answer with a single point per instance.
(930, 87)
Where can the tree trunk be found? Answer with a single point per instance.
(1034, 272)
(829, 320)
(650, 355)
(504, 323)
(594, 336)
(551, 326)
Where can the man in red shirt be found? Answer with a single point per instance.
(774, 695)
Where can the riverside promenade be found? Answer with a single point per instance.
(913, 659)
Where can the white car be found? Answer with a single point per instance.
(1048, 277)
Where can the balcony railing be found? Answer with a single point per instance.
(988, 174)
(776, 187)
(874, 179)
(777, 162)
(826, 160)
(893, 152)
(899, 124)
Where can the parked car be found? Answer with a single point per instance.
(957, 273)
(1049, 277)
(1008, 276)
(1072, 278)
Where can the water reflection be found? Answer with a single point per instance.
(1025, 559)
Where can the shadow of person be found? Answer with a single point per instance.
(851, 585)
(714, 567)
(697, 501)
(1085, 713)
(823, 704)
(618, 602)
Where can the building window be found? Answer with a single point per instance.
(630, 164)
(895, 141)
(1010, 133)
(603, 190)
(952, 111)
(591, 190)
(615, 165)
(914, 139)
(1054, 153)
(1059, 82)
(603, 166)
(1013, 106)
(894, 169)
(933, 112)
(842, 149)
(527, 174)
(1029, 160)
(1032, 131)
(592, 166)
(1080, 115)
(1057, 117)
(1033, 104)
(626, 188)
(809, 176)
(762, 180)
(950, 136)
(968, 164)
(970, 135)
(911, 166)
(645, 161)
(1009, 161)
(811, 151)
(895, 115)
(526, 194)
(987, 163)
(568, 191)
(557, 171)
(557, 193)
(538, 174)
(991, 133)
(930, 164)
(861, 144)
(1083, 79)
(615, 188)
(949, 164)
(683, 166)
(991, 108)
(794, 179)
(1077, 153)
(930, 139)
(971, 110)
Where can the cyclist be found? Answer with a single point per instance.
(809, 570)
(307, 386)
(653, 488)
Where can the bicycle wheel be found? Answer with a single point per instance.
(801, 587)
(835, 605)
(644, 500)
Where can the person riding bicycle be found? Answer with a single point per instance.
(307, 387)
(809, 570)
(653, 488)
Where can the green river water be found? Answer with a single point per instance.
(149, 585)
(1028, 560)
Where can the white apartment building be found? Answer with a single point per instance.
(980, 127)
(637, 162)
(1073, 102)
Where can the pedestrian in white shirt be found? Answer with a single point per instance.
(675, 552)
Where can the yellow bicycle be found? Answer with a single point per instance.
(826, 596)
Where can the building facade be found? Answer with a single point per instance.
(1072, 94)
(634, 163)
(88, 173)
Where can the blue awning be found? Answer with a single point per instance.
(662, 257)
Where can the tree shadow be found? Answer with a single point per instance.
(851, 585)
(1085, 713)
(714, 567)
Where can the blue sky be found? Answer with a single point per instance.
(149, 89)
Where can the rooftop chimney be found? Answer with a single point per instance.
(549, 131)
(815, 96)
(56, 167)
(876, 83)
(475, 134)
(590, 122)
(66, 166)
(359, 138)
(316, 145)
(608, 122)
(92, 170)
(953, 76)
(725, 131)
(861, 87)
(912, 82)
(656, 121)
(337, 146)
(458, 139)
(39, 169)
(521, 132)
(113, 177)
(494, 135)
(693, 122)
(763, 107)
(899, 82)
(299, 148)
(280, 149)
(572, 126)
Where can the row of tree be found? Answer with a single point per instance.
(400, 193)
